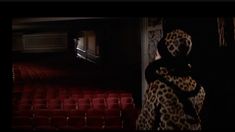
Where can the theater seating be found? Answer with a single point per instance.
(85, 110)
(47, 106)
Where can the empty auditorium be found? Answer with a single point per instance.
(88, 73)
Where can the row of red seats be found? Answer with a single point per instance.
(33, 72)
(49, 89)
(66, 91)
(67, 113)
(63, 123)
(68, 95)
(68, 120)
(81, 103)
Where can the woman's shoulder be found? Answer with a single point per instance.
(150, 71)
(156, 64)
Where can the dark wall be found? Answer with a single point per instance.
(121, 53)
(212, 66)
(122, 42)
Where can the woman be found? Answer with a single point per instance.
(173, 99)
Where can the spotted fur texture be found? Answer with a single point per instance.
(161, 102)
(163, 109)
(178, 43)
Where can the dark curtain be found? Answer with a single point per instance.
(212, 66)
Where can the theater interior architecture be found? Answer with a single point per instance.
(87, 73)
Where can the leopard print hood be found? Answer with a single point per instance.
(178, 45)
(174, 44)
(174, 49)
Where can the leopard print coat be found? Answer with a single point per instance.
(162, 108)
(173, 99)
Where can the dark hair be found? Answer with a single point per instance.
(162, 49)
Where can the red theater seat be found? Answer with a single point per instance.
(77, 96)
(128, 106)
(84, 101)
(100, 95)
(84, 104)
(84, 107)
(127, 100)
(68, 107)
(113, 100)
(113, 103)
(98, 101)
(69, 101)
(87, 95)
(99, 107)
(126, 94)
(113, 94)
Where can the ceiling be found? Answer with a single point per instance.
(16, 21)
(31, 22)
